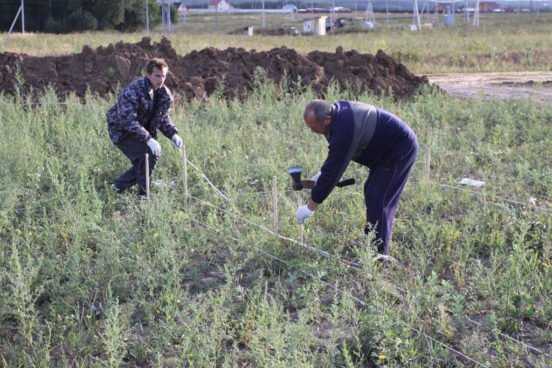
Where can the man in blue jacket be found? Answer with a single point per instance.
(371, 137)
(141, 109)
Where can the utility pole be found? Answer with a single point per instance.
(166, 14)
(416, 16)
(170, 20)
(264, 15)
(370, 16)
(147, 17)
(23, 16)
(21, 11)
(476, 15)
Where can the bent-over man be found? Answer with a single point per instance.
(371, 137)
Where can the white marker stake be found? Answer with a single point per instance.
(302, 232)
(185, 174)
(147, 177)
(275, 221)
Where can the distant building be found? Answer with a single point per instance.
(488, 6)
(290, 8)
(315, 26)
(220, 5)
(182, 10)
(169, 2)
(444, 6)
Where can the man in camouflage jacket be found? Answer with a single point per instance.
(141, 109)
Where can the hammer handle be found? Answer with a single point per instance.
(346, 182)
(309, 184)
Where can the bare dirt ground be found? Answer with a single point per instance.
(233, 71)
(536, 86)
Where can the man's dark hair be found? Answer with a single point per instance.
(319, 108)
(156, 63)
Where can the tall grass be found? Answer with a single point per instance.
(90, 278)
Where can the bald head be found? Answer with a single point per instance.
(318, 116)
(319, 109)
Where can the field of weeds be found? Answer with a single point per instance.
(199, 277)
(213, 271)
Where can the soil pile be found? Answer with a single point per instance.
(379, 74)
(200, 73)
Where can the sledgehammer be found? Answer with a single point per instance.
(298, 184)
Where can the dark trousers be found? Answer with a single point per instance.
(385, 184)
(135, 151)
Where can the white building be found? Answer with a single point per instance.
(315, 26)
(220, 5)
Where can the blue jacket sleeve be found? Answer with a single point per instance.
(339, 156)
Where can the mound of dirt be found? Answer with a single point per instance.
(380, 74)
(200, 73)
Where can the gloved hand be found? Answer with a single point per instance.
(316, 176)
(303, 213)
(177, 141)
(154, 146)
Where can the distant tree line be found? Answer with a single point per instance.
(60, 16)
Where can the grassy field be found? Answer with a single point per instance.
(89, 278)
(92, 279)
(502, 43)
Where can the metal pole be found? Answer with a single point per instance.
(333, 17)
(14, 20)
(264, 15)
(23, 16)
(147, 17)
(163, 21)
(476, 14)
(170, 21)
(416, 15)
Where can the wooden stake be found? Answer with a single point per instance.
(147, 177)
(427, 164)
(185, 174)
(302, 231)
(275, 220)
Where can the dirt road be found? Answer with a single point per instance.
(516, 85)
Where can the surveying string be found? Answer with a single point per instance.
(276, 258)
(528, 346)
(358, 300)
(325, 254)
(218, 191)
(306, 246)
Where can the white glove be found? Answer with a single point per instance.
(154, 146)
(177, 141)
(303, 213)
(316, 176)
